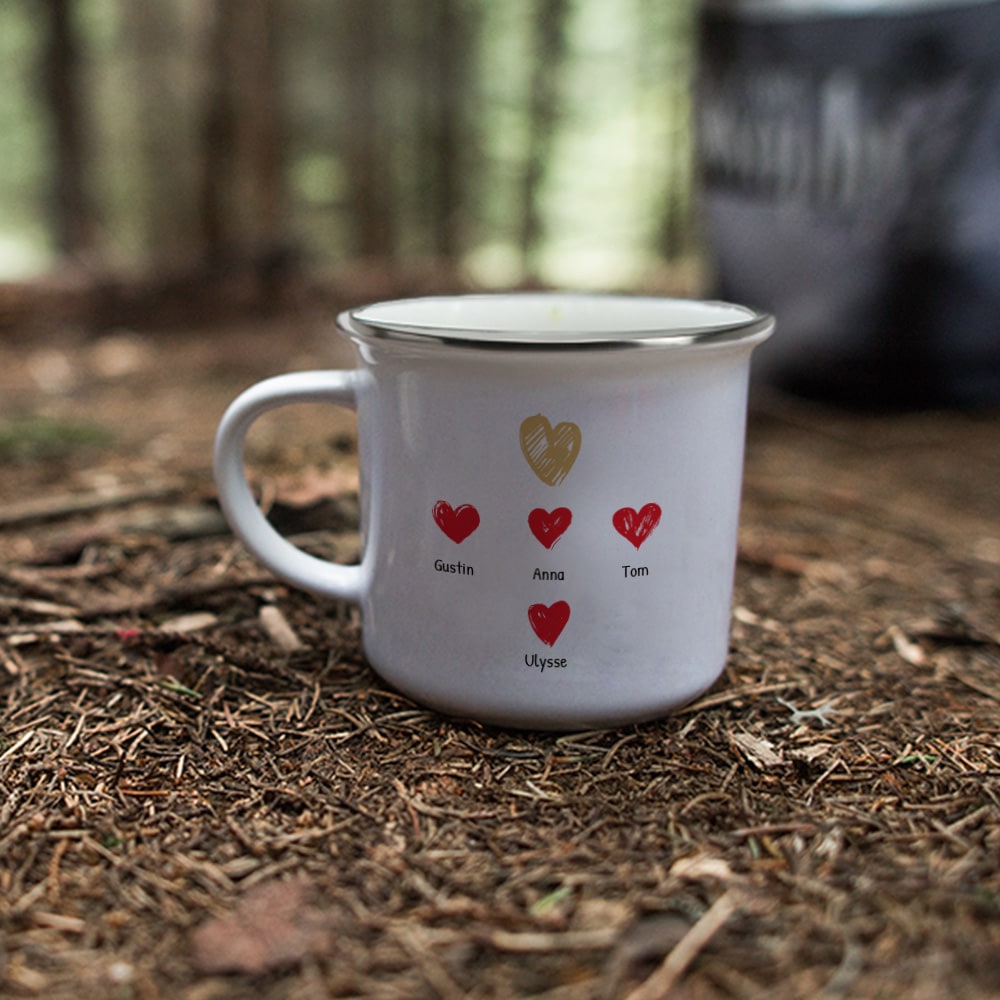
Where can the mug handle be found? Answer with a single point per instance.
(246, 519)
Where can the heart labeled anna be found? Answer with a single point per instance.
(548, 621)
(550, 451)
(637, 525)
(458, 522)
(548, 526)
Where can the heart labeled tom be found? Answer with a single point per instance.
(637, 525)
(550, 451)
(548, 620)
(456, 522)
(548, 526)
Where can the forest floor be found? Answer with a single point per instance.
(205, 793)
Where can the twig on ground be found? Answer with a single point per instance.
(820, 714)
(55, 508)
(669, 972)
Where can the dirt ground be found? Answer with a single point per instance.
(205, 794)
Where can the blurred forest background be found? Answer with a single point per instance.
(523, 141)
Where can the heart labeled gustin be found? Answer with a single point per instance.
(456, 522)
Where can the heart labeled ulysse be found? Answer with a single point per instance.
(548, 621)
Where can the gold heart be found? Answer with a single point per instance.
(550, 452)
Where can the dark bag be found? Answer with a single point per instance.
(850, 162)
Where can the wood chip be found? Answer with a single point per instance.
(909, 650)
(810, 753)
(194, 622)
(702, 866)
(30, 636)
(278, 630)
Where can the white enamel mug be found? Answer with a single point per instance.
(550, 490)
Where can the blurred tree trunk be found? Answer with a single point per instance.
(445, 43)
(676, 230)
(72, 212)
(261, 123)
(218, 136)
(153, 35)
(242, 200)
(549, 45)
(369, 188)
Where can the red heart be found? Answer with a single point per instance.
(548, 622)
(635, 525)
(548, 526)
(457, 524)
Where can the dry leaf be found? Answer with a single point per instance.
(275, 925)
(987, 549)
(758, 751)
(118, 355)
(647, 938)
(592, 914)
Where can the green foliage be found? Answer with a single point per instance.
(23, 237)
(40, 438)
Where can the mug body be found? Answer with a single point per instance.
(549, 512)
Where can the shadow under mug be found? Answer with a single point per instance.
(550, 490)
